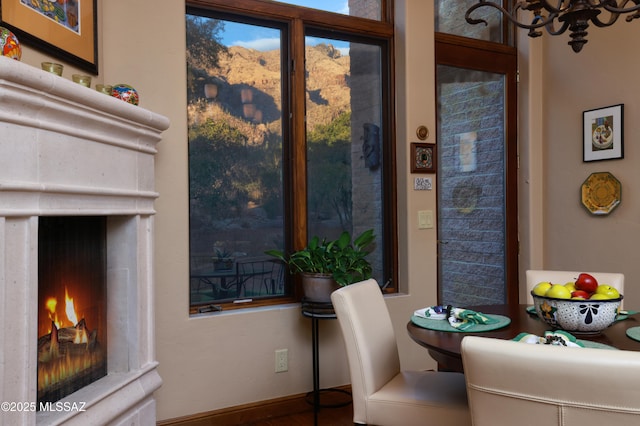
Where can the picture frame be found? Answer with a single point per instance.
(65, 29)
(603, 133)
(423, 157)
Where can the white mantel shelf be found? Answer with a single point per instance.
(44, 115)
(67, 150)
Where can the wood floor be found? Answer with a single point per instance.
(337, 410)
(342, 416)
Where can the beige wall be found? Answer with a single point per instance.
(228, 359)
(558, 85)
(600, 76)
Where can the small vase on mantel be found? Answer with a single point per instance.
(9, 44)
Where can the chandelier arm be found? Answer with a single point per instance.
(555, 10)
(621, 8)
(551, 30)
(616, 12)
(481, 3)
(538, 21)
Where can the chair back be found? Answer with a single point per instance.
(511, 383)
(561, 277)
(369, 338)
(260, 277)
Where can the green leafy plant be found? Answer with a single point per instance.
(222, 254)
(343, 258)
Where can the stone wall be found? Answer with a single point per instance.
(470, 192)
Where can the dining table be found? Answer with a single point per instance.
(445, 346)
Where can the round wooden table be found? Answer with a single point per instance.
(444, 346)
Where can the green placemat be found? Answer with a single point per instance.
(634, 333)
(596, 345)
(443, 325)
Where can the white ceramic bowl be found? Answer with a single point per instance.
(583, 316)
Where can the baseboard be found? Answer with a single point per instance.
(243, 414)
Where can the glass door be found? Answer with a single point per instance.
(477, 210)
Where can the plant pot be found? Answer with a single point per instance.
(222, 264)
(318, 287)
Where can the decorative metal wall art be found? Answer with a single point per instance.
(423, 157)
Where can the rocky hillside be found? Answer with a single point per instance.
(249, 90)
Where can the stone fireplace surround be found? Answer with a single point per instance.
(66, 150)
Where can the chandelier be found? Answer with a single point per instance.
(573, 15)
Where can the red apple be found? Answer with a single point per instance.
(586, 282)
(580, 294)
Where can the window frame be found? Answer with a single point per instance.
(301, 22)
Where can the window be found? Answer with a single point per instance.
(371, 11)
(450, 20)
(290, 136)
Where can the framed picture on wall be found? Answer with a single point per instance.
(602, 133)
(64, 29)
(423, 157)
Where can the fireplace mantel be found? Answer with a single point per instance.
(66, 150)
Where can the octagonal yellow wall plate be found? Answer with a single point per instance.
(601, 193)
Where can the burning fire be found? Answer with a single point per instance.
(71, 314)
(70, 311)
(69, 349)
(69, 308)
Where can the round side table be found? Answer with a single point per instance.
(320, 311)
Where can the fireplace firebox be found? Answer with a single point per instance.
(72, 298)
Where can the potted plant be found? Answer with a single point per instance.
(326, 265)
(223, 260)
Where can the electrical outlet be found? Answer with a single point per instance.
(282, 360)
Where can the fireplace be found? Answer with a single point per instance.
(76, 252)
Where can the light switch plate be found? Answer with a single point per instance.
(425, 219)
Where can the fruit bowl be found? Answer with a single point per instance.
(577, 316)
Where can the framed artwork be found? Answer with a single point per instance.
(66, 29)
(423, 157)
(467, 151)
(602, 133)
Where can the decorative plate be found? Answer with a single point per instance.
(601, 193)
(466, 197)
(443, 325)
(602, 137)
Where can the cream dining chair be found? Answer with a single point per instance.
(519, 384)
(382, 393)
(561, 277)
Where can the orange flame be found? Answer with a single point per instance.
(81, 336)
(51, 305)
(70, 309)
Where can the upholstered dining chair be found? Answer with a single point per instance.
(535, 276)
(511, 383)
(382, 393)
